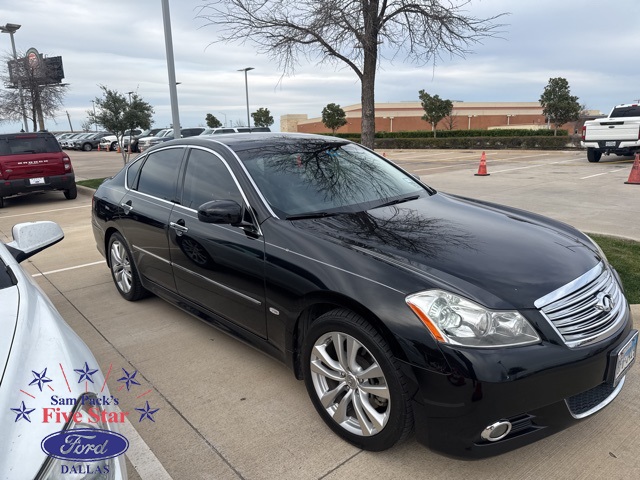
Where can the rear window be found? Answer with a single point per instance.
(628, 111)
(25, 144)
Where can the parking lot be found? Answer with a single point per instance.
(228, 411)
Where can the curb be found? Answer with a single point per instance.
(82, 190)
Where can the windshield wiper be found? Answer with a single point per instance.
(301, 216)
(399, 200)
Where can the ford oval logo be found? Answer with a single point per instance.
(84, 444)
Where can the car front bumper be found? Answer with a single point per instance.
(539, 389)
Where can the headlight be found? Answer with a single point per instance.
(455, 320)
(56, 469)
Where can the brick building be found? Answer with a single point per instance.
(406, 116)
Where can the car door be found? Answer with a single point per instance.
(146, 209)
(220, 267)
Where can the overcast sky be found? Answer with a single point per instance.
(120, 43)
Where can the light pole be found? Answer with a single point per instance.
(246, 87)
(93, 102)
(11, 28)
(225, 118)
(171, 68)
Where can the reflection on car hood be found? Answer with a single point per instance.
(8, 315)
(513, 255)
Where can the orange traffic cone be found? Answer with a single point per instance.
(118, 149)
(482, 169)
(634, 175)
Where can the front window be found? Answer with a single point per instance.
(308, 177)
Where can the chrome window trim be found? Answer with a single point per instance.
(601, 405)
(217, 284)
(235, 180)
(255, 187)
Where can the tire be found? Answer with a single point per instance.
(113, 147)
(593, 155)
(87, 147)
(71, 194)
(1, 202)
(372, 412)
(123, 270)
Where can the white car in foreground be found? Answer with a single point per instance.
(57, 417)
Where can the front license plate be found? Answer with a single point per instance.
(36, 181)
(610, 144)
(625, 358)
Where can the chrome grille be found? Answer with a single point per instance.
(587, 309)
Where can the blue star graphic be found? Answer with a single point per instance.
(23, 413)
(85, 374)
(40, 378)
(147, 412)
(129, 378)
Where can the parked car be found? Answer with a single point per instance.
(147, 133)
(66, 142)
(31, 162)
(89, 141)
(147, 142)
(482, 326)
(166, 135)
(35, 346)
(110, 142)
(220, 130)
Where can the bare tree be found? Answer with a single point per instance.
(451, 121)
(351, 32)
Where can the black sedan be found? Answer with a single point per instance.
(480, 326)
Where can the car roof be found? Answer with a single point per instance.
(244, 141)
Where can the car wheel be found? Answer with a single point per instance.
(87, 147)
(593, 155)
(72, 193)
(354, 381)
(123, 270)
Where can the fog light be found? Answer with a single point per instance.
(497, 431)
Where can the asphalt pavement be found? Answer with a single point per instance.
(226, 411)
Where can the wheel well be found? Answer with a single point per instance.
(316, 310)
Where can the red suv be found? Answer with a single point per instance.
(31, 162)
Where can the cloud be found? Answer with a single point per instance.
(120, 44)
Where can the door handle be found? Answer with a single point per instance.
(179, 227)
(127, 207)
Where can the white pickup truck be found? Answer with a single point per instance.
(618, 133)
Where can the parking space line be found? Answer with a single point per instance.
(68, 268)
(528, 166)
(140, 455)
(598, 174)
(44, 211)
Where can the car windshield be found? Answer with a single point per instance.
(28, 143)
(319, 178)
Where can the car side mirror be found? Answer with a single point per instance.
(33, 237)
(220, 211)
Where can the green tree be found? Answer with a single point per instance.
(262, 118)
(435, 108)
(212, 121)
(558, 105)
(351, 33)
(117, 114)
(333, 117)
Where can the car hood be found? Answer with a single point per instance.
(499, 256)
(8, 316)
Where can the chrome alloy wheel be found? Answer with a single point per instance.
(350, 384)
(121, 266)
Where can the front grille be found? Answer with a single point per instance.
(587, 309)
(589, 402)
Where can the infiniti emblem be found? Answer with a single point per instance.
(605, 303)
